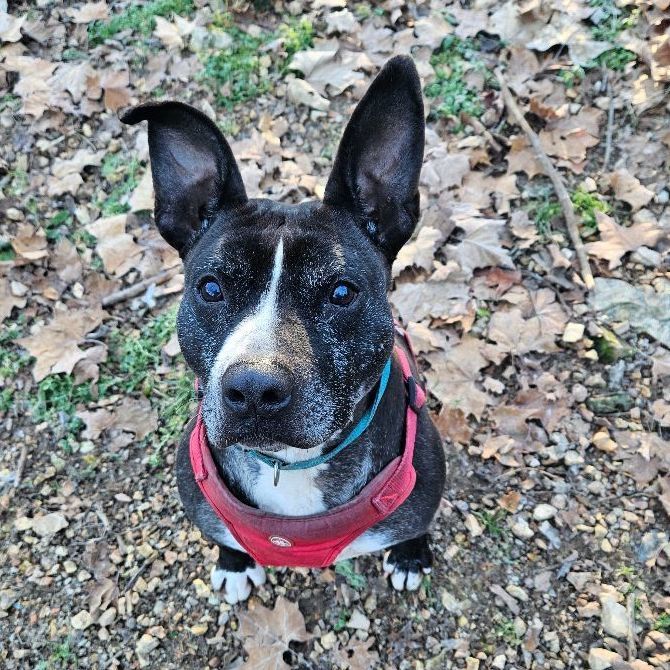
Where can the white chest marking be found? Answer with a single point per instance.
(367, 543)
(255, 335)
(296, 493)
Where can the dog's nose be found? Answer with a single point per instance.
(248, 390)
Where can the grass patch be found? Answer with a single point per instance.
(663, 623)
(492, 521)
(7, 252)
(346, 569)
(240, 72)
(609, 20)
(586, 205)
(450, 90)
(544, 213)
(56, 400)
(235, 74)
(505, 631)
(138, 355)
(124, 177)
(616, 59)
(138, 19)
(12, 361)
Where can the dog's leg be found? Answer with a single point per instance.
(407, 562)
(236, 572)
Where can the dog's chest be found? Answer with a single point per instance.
(296, 494)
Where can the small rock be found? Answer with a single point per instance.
(610, 403)
(601, 659)
(614, 618)
(647, 257)
(7, 598)
(301, 92)
(573, 332)
(551, 534)
(471, 663)
(49, 524)
(145, 645)
(474, 527)
(328, 640)
(82, 620)
(499, 662)
(603, 442)
(517, 592)
(359, 621)
(70, 567)
(14, 214)
(521, 529)
(572, 457)
(107, 617)
(579, 392)
(18, 289)
(543, 511)
(450, 603)
(202, 590)
(199, 628)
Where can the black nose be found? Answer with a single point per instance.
(248, 390)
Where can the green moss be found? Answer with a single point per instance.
(235, 74)
(297, 36)
(138, 19)
(492, 521)
(586, 205)
(56, 401)
(353, 578)
(124, 176)
(610, 20)
(616, 59)
(663, 623)
(450, 90)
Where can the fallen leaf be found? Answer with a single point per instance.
(629, 189)
(419, 252)
(30, 243)
(117, 94)
(453, 425)
(117, 249)
(266, 633)
(10, 27)
(8, 300)
(91, 11)
(616, 241)
(55, 345)
(453, 376)
(168, 33)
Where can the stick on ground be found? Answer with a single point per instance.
(562, 194)
(139, 288)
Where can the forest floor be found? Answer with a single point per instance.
(552, 544)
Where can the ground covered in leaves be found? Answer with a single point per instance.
(552, 544)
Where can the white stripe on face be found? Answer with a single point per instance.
(255, 334)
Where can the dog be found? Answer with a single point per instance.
(286, 323)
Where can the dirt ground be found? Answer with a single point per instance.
(552, 544)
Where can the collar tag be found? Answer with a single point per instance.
(276, 473)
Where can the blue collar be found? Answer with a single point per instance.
(357, 431)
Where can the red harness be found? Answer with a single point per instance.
(312, 541)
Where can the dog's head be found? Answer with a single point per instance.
(285, 318)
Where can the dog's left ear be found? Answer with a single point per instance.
(376, 170)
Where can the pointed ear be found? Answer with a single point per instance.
(193, 168)
(376, 170)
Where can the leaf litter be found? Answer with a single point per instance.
(524, 367)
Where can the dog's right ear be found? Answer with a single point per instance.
(193, 168)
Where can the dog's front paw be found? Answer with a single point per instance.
(407, 562)
(237, 585)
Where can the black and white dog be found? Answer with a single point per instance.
(286, 323)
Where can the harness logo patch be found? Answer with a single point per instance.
(280, 541)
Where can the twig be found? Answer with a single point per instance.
(556, 180)
(630, 607)
(139, 288)
(610, 129)
(20, 467)
(147, 561)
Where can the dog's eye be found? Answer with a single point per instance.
(343, 294)
(211, 291)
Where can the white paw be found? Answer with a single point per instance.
(237, 585)
(403, 579)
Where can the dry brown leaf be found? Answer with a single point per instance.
(480, 247)
(629, 189)
(55, 345)
(142, 198)
(30, 243)
(664, 494)
(436, 299)
(616, 241)
(8, 300)
(168, 33)
(67, 171)
(66, 261)
(522, 157)
(442, 170)
(135, 415)
(357, 655)
(453, 425)
(10, 27)
(97, 421)
(660, 368)
(117, 249)
(91, 11)
(510, 501)
(511, 418)
(519, 336)
(452, 377)
(419, 252)
(266, 633)
(116, 88)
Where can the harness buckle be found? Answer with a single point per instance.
(412, 395)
